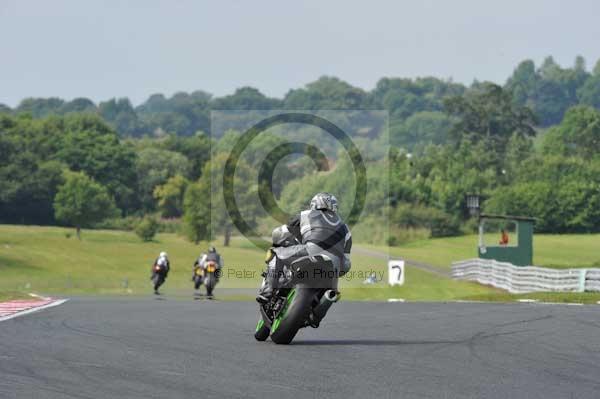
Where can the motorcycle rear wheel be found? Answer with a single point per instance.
(210, 282)
(298, 308)
(158, 281)
(197, 282)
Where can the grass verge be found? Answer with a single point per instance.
(104, 262)
(556, 251)
(13, 295)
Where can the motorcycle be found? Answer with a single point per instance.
(208, 275)
(304, 296)
(198, 276)
(159, 275)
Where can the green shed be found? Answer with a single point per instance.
(506, 239)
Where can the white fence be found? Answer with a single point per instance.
(518, 279)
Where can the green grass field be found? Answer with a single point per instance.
(44, 260)
(557, 251)
(10, 295)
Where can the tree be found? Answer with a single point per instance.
(183, 114)
(403, 98)
(80, 202)
(550, 90)
(518, 149)
(572, 206)
(523, 82)
(245, 192)
(147, 228)
(577, 135)
(28, 177)
(196, 212)
(422, 128)
(40, 107)
(589, 93)
(120, 114)
(88, 144)
(81, 104)
(489, 115)
(27, 189)
(154, 167)
(170, 196)
(5, 109)
(35, 151)
(196, 148)
(326, 93)
(247, 98)
(205, 212)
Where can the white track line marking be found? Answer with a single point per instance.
(33, 310)
(45, 298)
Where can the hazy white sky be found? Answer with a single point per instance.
(104, 49)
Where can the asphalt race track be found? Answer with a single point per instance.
(147, 348)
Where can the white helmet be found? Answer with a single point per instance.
(163, 255)
(322, 201)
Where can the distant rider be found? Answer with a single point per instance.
(316, 231)
(211, 256)
(163, 261)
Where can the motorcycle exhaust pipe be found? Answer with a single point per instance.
(329, 298)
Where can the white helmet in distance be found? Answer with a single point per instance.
(324, 201)
(163, 255)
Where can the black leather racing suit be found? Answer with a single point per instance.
(317, 233)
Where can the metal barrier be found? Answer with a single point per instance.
(519, 279)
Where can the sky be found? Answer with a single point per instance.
(105, 49)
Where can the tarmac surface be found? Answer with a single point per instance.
(179, 348)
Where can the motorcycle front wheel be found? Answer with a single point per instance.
(262, 331)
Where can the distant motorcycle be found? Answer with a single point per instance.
(159, 275)
(207, 275)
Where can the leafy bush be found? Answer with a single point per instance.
(438, 222)
(128, 223)
(569, 207)
(409, 234)
(169, 225)
(392, 241)
(443, 225)
(147, 228)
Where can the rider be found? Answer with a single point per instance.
(316, 231)
(162, 260)
(211, 256)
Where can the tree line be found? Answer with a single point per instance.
(111, 165)
(415, 106)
